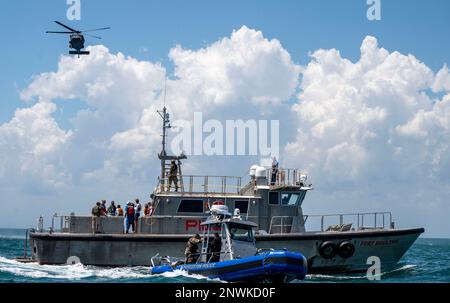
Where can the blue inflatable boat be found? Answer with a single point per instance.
(272, 266)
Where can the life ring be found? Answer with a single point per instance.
(346, 249)
(72, 260)
(328, 250)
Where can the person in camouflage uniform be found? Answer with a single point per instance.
(192, 253)
(173, 173)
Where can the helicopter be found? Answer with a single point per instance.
(76, 38)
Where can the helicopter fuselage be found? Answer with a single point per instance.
(76, 42)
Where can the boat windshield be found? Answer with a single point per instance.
(241, 233)
(289, 199)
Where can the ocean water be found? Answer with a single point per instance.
(428, 261)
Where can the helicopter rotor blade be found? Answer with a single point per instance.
(97, 37)
(51, 32)
(65, 26)
(94, 30)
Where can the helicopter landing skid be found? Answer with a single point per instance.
(79, 53)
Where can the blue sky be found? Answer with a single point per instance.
(418, 27)
(149, 30)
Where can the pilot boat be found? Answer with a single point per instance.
(239, 259)
(338, 243)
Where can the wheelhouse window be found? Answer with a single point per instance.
(242, 206)
(274, 198)
(289, 199)
(241, 233)
(190, 206)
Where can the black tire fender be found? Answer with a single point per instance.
(328, 250)
(346, 249)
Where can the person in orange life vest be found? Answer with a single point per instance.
(119, 211)
(146, 210)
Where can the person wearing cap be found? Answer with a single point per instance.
(192, 252)
(173, 175)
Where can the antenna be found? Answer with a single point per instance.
(166, 125)
(165, 90)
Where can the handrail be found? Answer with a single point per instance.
(25, 244)
(359, 218)
(176, 259)
(285, 176)
(207, 184)
(229, 184)
(282, 225)
(63, 224)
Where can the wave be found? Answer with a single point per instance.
(8, 237)
(70, 272)
(80, 273)
(337, 277)
(12, 233)
(181, 273)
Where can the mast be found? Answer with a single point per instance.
(163, 155)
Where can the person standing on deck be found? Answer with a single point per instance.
(173, 175)
(103, 211)
(129, 217)
(96, 218)
(137, 214)
(125, 220)
(274, 171)
(146, 210)
(215, 248)
(112, 209)
(119, 211)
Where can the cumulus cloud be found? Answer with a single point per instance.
(245, 67)
(118, 131)
(115, 88)
(372, 119)
(242, 73)
(115, 91)
(31, 145)
(442, 80)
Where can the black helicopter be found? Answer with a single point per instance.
(77, 38)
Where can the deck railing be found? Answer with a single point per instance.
(286, 176)
(229, 184)
(203, 184)
(281, 223)
(375, 220)
(64, 222)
